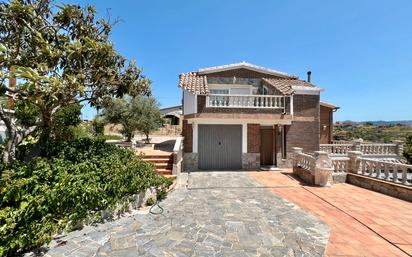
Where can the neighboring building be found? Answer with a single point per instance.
(173, 113)
(242, 116)
(326, 122)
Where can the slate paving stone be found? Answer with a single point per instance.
(215, 214)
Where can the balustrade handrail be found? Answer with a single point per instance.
(368, 149)
(336, 145)
(305, 161)
(378, 144)
(245, 101)
(273, 96)
(409, 166)
(385, 170)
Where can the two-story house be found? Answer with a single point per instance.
(242, 116)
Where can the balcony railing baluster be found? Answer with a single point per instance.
(245, 101)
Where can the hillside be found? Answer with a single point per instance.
(380, 132)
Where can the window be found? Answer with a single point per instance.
(219, 91)
(265, 90)
(240, 91)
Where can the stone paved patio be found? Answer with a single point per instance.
(362, 222)
(218, 214)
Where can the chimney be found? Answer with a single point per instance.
(309, 75)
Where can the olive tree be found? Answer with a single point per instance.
(58, 55)
(138, 113)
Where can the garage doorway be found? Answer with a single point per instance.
(220, 147)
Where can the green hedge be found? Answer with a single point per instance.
(74, 181)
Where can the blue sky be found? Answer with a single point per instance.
(359, 51)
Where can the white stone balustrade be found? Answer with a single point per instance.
(389, 171)
(336, 149)
(340, 165)
(375, 150)
(304, 161)
(245, 101)
(319, 165)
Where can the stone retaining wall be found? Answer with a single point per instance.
(190, 162)
(384, 187)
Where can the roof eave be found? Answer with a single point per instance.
(307, 90)
(245, 66)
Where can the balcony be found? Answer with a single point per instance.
(246, 101)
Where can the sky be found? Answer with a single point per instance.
(359, 51)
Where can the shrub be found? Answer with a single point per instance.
(407, 152)
(73, 181)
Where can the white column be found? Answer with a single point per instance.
(195, 137)
(291, 105)
(244, 138)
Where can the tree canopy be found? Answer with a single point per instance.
(407, 152)
(138, 113)
(58, 55)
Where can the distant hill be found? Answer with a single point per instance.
(381, 122)
(373, 131)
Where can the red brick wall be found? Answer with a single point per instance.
(187, 133)
(304, 134)
(306, 105)
(253, 138)
(326, 120)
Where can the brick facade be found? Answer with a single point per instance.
(326, 124)
(253, 138)
(304, 134)
(306, 106)
(187, 133)
(305, 131)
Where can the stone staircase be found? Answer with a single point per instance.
(163, 161)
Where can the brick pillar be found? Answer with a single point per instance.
(354, 161)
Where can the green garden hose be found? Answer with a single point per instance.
(158, 212)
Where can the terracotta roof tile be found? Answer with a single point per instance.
(194, 83)
(285, 85)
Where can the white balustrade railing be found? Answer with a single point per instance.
(305, 161)
(340, 165)
(378, 149)
(245, 101)
(336, 149)
(374, 150)
(390, 171)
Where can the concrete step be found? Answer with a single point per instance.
(164, 171)
(154, 157)
(159, 160)
(163, 165)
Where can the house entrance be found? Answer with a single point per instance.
(266, 146)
